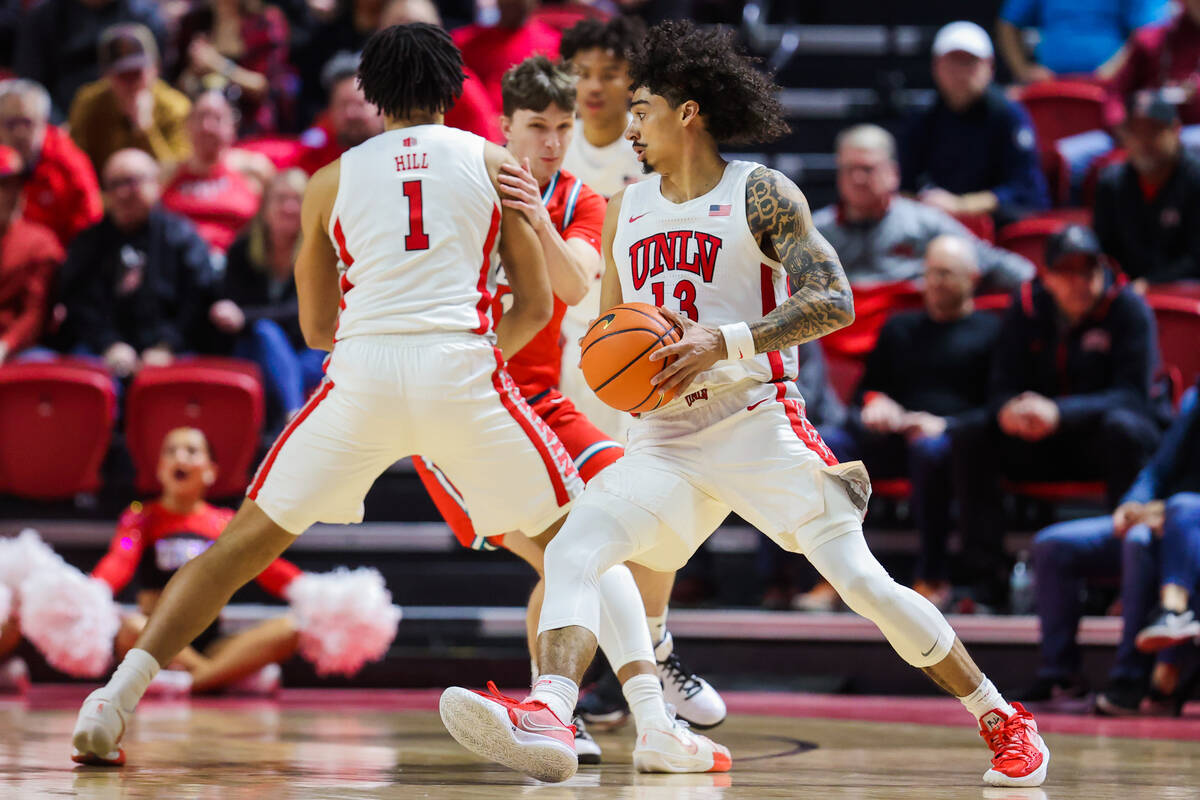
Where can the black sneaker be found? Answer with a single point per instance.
(586, 748)
(603, 706)
(1048, 690)
(1122, 698)
(1167, 629)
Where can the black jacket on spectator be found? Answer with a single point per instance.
(258, 294)
(1105, 362)
(989, 147)
(56, 44)
(938, 367)
(1156, 239)
(145, 288)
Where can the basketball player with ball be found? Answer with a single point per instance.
(714, 244)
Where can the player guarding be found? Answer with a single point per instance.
(719, 241)
(539, 107)
(395, 275)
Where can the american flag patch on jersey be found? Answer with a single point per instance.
(719, 210)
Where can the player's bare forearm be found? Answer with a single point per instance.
(610, 281)
(569, 268)
(316, 274)
(517, 328)
(821, 302)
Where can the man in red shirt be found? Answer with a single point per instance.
(489, 51)
(1166, 54)
(348, 120)
(538, 121)
(61, 190)
(206, 189)
(29, 256)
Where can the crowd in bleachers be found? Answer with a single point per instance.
(1025, 260)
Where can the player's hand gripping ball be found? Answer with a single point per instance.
(616, 352)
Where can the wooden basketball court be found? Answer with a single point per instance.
(373, 744)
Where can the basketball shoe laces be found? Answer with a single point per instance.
(1009, 742)
(512, 704)
(686, 681)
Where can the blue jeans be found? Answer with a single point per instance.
(1069, 553)
(1181, 541)
(290, 373)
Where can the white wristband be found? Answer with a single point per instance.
(739, 342)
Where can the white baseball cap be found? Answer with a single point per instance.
(965, 36)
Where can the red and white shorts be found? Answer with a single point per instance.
(591, 450)
(444, 395)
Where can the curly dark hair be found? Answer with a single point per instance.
(682, 62)
(409, 68)
(621, 35)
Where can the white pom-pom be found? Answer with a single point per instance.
(5, 603)
(345, 618)
(23, 555)
(71, 618)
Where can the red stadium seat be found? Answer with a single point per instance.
(981, 225)
(1063, 108)
(1178, 319)
(872, 306)
(222, 397)
(56, 421)
(891, 488)
(1056, 491)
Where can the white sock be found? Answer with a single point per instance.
(129, 682)
(559, 693)
(645, 697)
(984, 699)
(658, 627)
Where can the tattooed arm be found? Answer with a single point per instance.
(821, 301)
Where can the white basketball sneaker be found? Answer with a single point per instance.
(98, 731)
(677, 749)
(695, 700)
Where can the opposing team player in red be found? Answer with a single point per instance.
(735, 438)
(539, 107)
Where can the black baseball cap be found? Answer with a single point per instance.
(1159, 105)
(1073, 240)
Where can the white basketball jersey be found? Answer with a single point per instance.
(415, 225)
(699, 258)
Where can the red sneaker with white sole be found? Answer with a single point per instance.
(678, 749)
(1019, 756)
(524, 735)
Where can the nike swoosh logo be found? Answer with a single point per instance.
(935, 643)
(756, 405)
(530, 725)
(639, 216)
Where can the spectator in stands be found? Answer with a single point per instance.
(56, 45)
(881, 236)
(1069, 395)
(30, 254)
(1162, 55)
(1152, 532)
(473, 111)
(974, 151)
(241, 46)
(130, 106)
(342, 26)
(61, 191)
(217, 198)
(598, 53)
(927, 374)
(348, 120)
(490, 50)
(1074, 36)
(1147, 212)
(258, 297)
(135, 284)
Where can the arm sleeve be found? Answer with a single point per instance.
(1149, 482)
(277, 576)
(120, 563)
(1021, 13)
(1010, 359)
(27, 326)
(588, 220)
(1024, 184)
(1133, 359)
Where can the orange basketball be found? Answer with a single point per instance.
(616, 356)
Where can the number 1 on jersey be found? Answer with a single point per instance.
(416, 238)
(685, 293)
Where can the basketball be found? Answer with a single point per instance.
(616, 356)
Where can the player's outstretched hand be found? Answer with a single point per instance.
(700, 348)
(521, 192)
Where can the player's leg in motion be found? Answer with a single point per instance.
(590, 597)
(190, 602)
(921, 636)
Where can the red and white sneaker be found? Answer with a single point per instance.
(1019, 756)
(98, 731)
(678, 749)
(522, 735)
